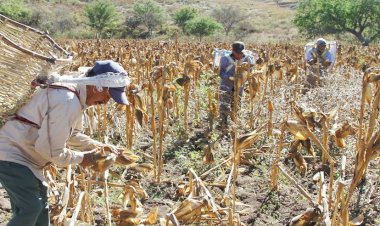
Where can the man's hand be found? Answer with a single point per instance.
(88, 160)
(112, 149)
(326, 64)
(312, 61)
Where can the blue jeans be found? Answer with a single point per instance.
(27, 194)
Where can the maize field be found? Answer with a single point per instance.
(292, 154)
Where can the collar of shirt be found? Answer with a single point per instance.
(232, 56)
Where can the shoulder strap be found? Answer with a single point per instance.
(43, 84)
(314, 52)
(231, 63)
(324, 53)
(66, 88)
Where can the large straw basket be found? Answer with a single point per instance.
(24, 53)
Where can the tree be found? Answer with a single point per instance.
(202, 26)
(102, 17)
(243, 29)
(149, 13)
(133, 28)
(228, 17)
(358, 17)
(16, 10)
(132, 23)
(184, 15)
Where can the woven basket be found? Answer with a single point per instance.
(24, 53)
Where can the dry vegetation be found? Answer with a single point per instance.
(291, 155)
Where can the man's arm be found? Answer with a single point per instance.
(329, 57)
(81, 141)
(251, 61)
(223, 68)
(310, 59)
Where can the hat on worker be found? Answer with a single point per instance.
(321, 41)
(106, 73)
(105, 66)
(238, 46)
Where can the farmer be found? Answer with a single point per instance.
(227, 73)
(320, 57)
(319, 54)
(38, 134)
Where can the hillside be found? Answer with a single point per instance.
(265, 21)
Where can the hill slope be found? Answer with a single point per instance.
(265, 20)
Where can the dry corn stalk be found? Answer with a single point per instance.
(270, 120)
(368, 144)
(299, 187)
(275, 170)
(153, 125)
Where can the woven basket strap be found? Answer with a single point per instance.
(24, 121)
(66, 88)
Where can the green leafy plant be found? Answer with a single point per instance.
(16, 10)
(202, 26)
(149, 13)
(184, 15)
(358, 17)
(102, 17)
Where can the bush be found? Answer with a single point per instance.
(16, 10)
(103, 18)
(243, 29)
(228, 17)
(56, 23)
(184, 15)
(202, 26)
(149, 13)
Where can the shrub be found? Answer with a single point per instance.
(202, 26)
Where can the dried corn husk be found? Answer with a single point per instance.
(357, 220)
(310, 216)
(142, 167)
(152, 217)
(341, 133)
(126, 157)
(103, 161)
(297, 129)
(246, 140)
(190, 209)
